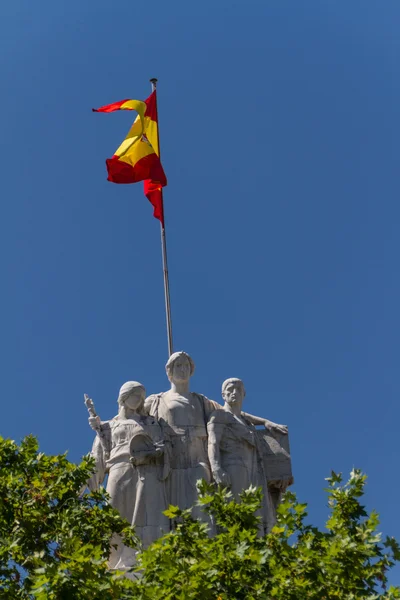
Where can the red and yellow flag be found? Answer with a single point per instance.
(138, 157)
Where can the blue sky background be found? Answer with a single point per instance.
(279, 131)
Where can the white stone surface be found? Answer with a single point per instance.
(183, 417)
(236, 449)
(155, 450)
(130, 450)
(275, 451)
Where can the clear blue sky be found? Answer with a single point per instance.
(279, 131)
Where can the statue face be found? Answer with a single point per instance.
(134, 400)
(233, 393)
(181, 369)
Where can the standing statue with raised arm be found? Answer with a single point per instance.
(236, 450)
(130, 449)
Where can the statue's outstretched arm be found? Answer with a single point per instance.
(267, 423)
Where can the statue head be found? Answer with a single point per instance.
(180, 367)
(233, 391)
(132, 395)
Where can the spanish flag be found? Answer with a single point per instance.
(138, 157)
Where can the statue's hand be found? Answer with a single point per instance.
(143, 457)
(221, 477)
(275, 427)
(95, 423)
(138, 460)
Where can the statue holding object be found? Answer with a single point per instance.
(235, 448)
(130, 451)
(155, 450)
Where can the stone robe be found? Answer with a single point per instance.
(184, 425)
(137, 492)
(234, 447)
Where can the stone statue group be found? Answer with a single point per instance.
(157, 448)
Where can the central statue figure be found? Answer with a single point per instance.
(183, 417)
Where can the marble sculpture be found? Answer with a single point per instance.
(156, 449)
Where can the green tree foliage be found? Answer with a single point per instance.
(54, 542)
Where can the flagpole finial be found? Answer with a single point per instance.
(153, 82)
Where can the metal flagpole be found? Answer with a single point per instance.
(153, 82)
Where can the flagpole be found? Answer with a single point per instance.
(153, 82)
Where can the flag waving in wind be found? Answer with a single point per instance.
(138, 157)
